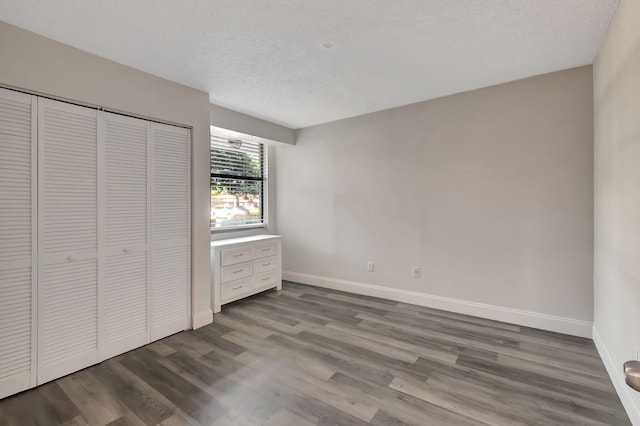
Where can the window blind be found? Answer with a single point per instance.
(237, 182)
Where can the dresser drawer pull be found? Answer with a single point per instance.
(266, 264)
(237, 288)
(238, 271)
(266, 249)
(266, 279)
(238, 255)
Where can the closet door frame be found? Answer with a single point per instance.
(34, 240)
(101, 198)
(16, 384)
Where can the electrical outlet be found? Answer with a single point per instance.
(417, 272)
(370, 266)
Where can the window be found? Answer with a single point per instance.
(238, 177)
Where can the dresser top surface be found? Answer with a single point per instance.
(242, 240)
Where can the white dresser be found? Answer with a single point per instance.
(244, 266)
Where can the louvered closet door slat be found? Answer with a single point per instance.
(17, 189)
(68, 177)
(170, 224)
(124, 285)
(124, 302)
(68, 239)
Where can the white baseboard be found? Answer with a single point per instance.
(514, 316)
(625, 393)
(202, 318)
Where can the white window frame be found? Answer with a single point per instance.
(219, 133)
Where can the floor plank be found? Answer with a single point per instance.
(312, 356)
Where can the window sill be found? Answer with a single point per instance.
(236, 231)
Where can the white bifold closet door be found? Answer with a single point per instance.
(170, 230)
(17, 241)
(124, 269)
(68, 239)
(94, 236)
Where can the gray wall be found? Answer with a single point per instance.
(243, 123)
(617, 197)
(35, 63)
(490, 192)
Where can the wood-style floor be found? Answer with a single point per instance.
(309, 356)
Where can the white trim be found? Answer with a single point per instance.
(34, 242)
(202, 318)
(149, 229)
(239, 228)
(151, 175)
(190, 280)
(625, 393)
(541, 321)
(101, 161)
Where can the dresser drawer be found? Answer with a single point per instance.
(232, 290)
(244, 266)
(265, 264)
(267, 279)
(231, 256)
(265, 249)
(236, 272)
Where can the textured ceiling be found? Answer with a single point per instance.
(300, 63)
